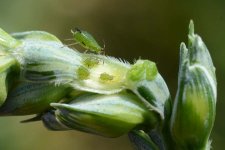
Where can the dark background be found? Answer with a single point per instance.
(130, 29)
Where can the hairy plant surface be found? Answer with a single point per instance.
(107, 96)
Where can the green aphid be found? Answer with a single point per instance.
(106, 77)
(91, 62)
(86, 40)
(83, 73)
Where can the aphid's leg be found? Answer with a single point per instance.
(69, 39)
(70, 44)
(85, 52)
(102, 49)
(103, 45)
(100, 59)
(73, 44)
(100, 53)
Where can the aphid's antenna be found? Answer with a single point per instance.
(103, 49)
(77, 29)
(104, 44)
(72, 31)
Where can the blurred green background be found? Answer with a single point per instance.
(130, 29)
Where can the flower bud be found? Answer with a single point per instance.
(105, 115)
(145, 81)
(32, 98)
(195, 104)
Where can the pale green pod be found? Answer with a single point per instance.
(195, 104)
(32, 98)
(145, 81)
(105, 115)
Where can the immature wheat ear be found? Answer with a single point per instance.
(103, 95)
(195, 104)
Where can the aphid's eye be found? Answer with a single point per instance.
(77, 29)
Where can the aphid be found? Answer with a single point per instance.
(82, 73)
(86, 40)
(106, 77)
(91, 62)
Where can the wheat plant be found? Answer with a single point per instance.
(107, 96)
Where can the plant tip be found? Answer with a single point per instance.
(191, 28)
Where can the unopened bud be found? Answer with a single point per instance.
(195, 104)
